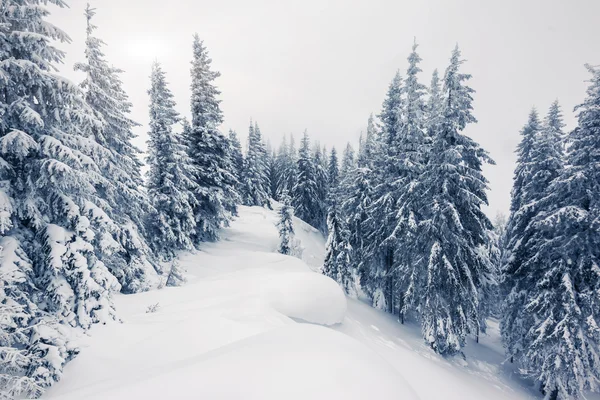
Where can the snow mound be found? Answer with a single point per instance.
(299, 361)
(307, 296)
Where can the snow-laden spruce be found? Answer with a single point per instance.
(216, 196)
(348, 163)
(255, 176)
(406, 163)
(305, 193)
(287, 165)
(322, 183)
(333, 173)
(272, 172)
(120, 217)
(236, 158)
(557, 284)
(285, 226)
(454, 229)
(377, 277)
(539, 162)
(338, 265)
(170, 183)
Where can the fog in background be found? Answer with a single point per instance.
(325, 66)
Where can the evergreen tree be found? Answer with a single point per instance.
(282, 163)
(377, 277)
(208, 149)
(333, 171)
(272, 172)
(122, 200)
(292, 172)
(367, 148)
(170, 187)
(407, 160)
(348, 162)
(237, 158)
(255, 176)
(539, 162)
(305, 194)
(322, 183)
(455, 228)
(338, 264)
(434, 106)
(557, 339)
(286, 226)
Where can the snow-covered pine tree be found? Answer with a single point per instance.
(216, 196)
(333, 171)
(236, 157)
(264, 154)
(286, 225)
(170, 185)
(272, 172)
(558, 282)
(539, 162)
(128, 255)
(434, 106)
(455, 228)
(406, 163)
(367, 147)
(255, 175)
(338, 265)
(377, 277)
(290, 177)
(348, 162)
(305, 197)
(282, 164)
(322, 183)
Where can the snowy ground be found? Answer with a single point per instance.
(254, 324)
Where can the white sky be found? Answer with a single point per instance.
(325, 65)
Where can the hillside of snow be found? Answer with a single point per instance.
(254, 324)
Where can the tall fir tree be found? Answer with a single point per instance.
(305, 194)
(539, 162)
(131, 261)
(170, 185)
(348, 162)
(367, 147)
(236, 158)
(322, 183)
(556, 285)
(377, 277)
(286, 225)
(407, 160)
(333, 171)
(455, 228)
(290, 178)
(338, 265)
(216, 196)
(272, 172)
(255, 175)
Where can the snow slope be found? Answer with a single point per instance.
(244, 327)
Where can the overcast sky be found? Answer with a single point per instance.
(325, 66)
